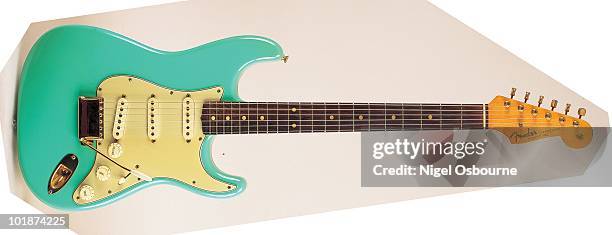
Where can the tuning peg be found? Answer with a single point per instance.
(540, 100)
(512, 93)
(527, 96)
(567, 108)
(581, 113)
(553, 105)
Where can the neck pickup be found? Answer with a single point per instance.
(91, 118)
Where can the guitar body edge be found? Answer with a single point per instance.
(71, 61)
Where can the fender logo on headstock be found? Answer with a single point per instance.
(522, 122)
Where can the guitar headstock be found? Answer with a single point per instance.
(522, 122)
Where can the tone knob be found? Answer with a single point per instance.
(86, 192)
(115, 150)
(103, 173)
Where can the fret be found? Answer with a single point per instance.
(227, 119)
(361, 117)
(205, 119)
(262, 119)
(377, 117)
(306, 117)
(283, 117)
(214, 117)
(471, 116)
(234, 117)
(318, 117)
(431, 117)
(412, 117)
(451, 116)
(294, 118)
(345, 118)
(243, 123)
(253, 117)
(331, 117)
(272, 117)
(394, 117)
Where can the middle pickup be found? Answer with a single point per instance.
(153, 116)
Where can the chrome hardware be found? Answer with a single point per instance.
(567, 108)
(534, 112)
(521, 108)
(548, 116)
(512, 93)
(527, 96)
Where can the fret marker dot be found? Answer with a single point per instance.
(213, 118)
(227, 118)
(331, 117)
(360, 117)
(243, 117)
(293, 125)
(429, 117)
(262, 118)
(293, 109)
(393, 117)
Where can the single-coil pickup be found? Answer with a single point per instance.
(188, 114)
(153, 116)
(120, 118)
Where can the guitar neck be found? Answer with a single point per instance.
(307, 117)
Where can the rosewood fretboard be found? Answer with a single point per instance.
(306, 117)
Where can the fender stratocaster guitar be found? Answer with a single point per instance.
(99, 115)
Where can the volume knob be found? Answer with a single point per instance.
(103, 173)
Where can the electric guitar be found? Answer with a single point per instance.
(101, 116)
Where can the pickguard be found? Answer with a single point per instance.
(172, 153)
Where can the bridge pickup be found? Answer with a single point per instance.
(91, 118)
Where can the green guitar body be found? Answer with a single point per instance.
(71, 61)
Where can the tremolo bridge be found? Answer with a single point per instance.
(91, 118)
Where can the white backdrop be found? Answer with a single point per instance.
(569, 41)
